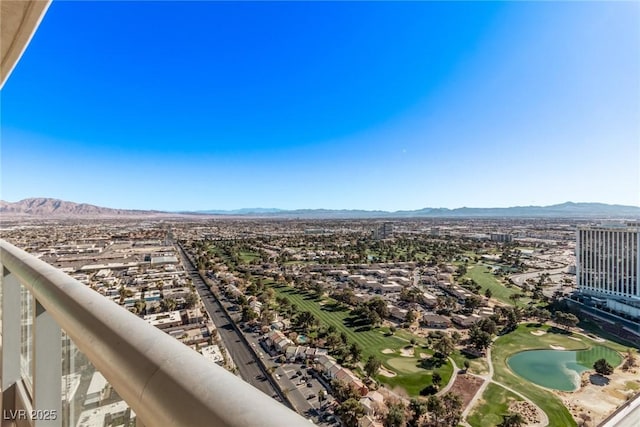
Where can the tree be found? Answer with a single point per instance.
(512, 420)
(372, 317)
(567, 320)
(379, 306)
(630, 360)
(140, 306)
(333, 341)
(436, 379)
(467, 364)
(372, 366)
(479, 339)
(168, 304)
(305, 320)
(461, 270)
(343, 391)
(603, 367)
(444, 346)
(318, 289)
(355, 352)
(543, 315)
(396, 416)
(488, 293)
(515, 298)
(344, 338)
(436, 410)
(452, 409)
(472, 302)
(248, 314)
(410, 317)
(417, 409)
(488, 326)
(267, 316)
(191, 300)
(350, 411)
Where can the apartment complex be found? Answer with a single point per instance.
(608, 265)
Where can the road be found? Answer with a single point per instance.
(243, 357)
(520, 278)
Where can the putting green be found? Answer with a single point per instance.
(405, 365)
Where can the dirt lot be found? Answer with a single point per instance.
(466, 387)
(593, 403)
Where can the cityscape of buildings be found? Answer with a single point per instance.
(233, 289)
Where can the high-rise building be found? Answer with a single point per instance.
(608, 265)
(383, 231)
(501, 237)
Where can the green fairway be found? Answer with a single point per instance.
(483, 277)
(247, 257)
(490, 409)
(373, 341)
(477, 365)
(413, 382)
(522, 339)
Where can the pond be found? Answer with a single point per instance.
(559, 369)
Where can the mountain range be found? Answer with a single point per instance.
(41, 207)
(55, 208)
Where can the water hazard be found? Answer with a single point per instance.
(559, 369)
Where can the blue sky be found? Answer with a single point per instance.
(211, 105)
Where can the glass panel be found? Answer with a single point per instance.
(87, 398)
(26, 336)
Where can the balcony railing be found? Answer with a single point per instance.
(163, 381)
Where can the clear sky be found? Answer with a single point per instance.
(211, 105)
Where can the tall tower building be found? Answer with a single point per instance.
(608, 265)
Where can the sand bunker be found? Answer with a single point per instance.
(387, 351)
(423, 355)
(538, 332)
(407, 352)
(386, 373)
(556, 347)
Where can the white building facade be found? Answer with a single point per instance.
(608, 264)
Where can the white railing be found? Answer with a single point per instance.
(163, 381)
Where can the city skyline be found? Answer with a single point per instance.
(294, 105)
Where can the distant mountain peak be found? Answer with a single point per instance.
(44, 207)
(56, 208)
